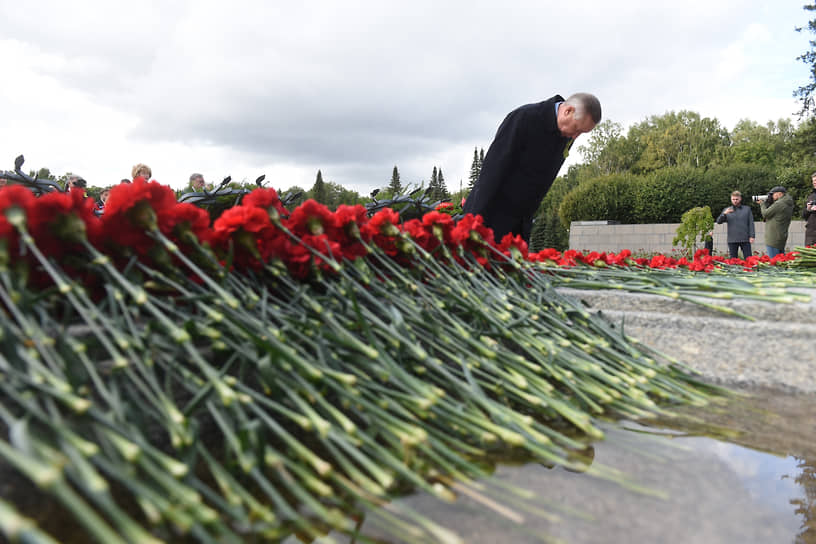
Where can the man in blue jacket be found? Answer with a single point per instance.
(521, 164)
(740, 221)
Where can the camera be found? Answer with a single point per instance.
(760, 198)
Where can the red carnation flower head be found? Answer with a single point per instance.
(384, 223)
(514, 246)
(349, 230)
(252, 233)
(471, 229)
(268, 199)
(15, 201)
(138, 202)
(311, 217)
(470, 234)
(131, 211)
(383, 230)
(549, 256)
(57, 218)
(300, 256)
(185, 223)
(440, 224)
(419, 234)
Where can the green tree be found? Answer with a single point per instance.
(318, 191)
(806, 91)
(44, 173)
(436, 186)
(769, 144)
(680, 139)
(695, 224)
(336, 195)
(606, 151)
(395, 187)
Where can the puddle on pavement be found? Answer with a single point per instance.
(743, 472)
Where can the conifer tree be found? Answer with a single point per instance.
(319, 191)
(432, 184)
(395, 187)
(442, 188)
(475, 169)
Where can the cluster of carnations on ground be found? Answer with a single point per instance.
(261, 231)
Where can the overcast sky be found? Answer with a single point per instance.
(354, 88)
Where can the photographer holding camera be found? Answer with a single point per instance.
(809, 215)
(777, 209)
(740, 221)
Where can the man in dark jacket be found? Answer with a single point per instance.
(809, 214)
(521, 164)
(777, 210)
(740, 221)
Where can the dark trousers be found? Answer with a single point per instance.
(734, 247)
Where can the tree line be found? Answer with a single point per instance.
(670, 163)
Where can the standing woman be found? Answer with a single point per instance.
(142, 171)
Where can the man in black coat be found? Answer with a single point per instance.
(522, 162)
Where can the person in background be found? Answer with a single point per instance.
(142, 170)
(809, 214)
(75, 182)
(777, 209)
(197, 183)
(124, 180)
(3, 182)
(103, 197)
(530, 146)
(708, 242)
(740, 220)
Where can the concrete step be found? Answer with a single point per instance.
(777, 349)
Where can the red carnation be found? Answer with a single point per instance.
(268, 200)
(20, 199)
(471, 234)
(514, 246)
(184, 219)
(255, 238)
(300, 259)
(348, 230)
(131, 210)
(60, 221)
(383, 231)
(311, 217)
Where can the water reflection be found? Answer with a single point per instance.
(772, 451)
(742, 472)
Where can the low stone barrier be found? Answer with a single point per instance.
(657, 238)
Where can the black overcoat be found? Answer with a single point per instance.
(519, 169)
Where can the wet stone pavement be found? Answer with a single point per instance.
(741, 472)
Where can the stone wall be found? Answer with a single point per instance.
(657, 238)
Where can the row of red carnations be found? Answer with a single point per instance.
(255, 233)
(702, 261)
(261, 230)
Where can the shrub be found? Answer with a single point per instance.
(610, 197)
